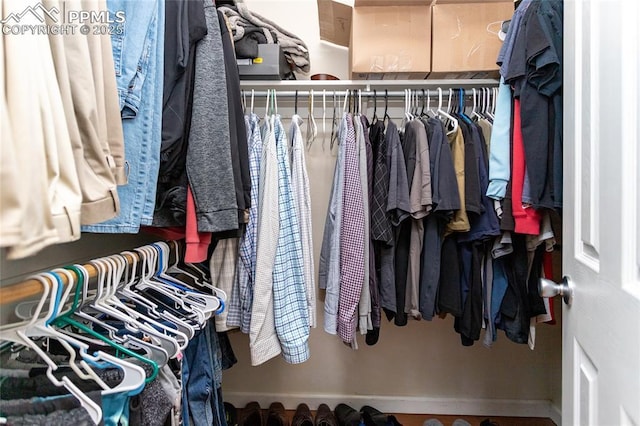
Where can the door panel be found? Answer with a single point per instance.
(601, 254)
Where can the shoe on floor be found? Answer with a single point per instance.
(231, 414)
(432, 422)
(325, 417)
(346, 415)
(372, 416)
(277, 415)
(251, 415)
(460, 422)
(302, 416)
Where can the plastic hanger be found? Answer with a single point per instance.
(66, 319)
(462, 106)
(157, 312)
(17, 333)
(207, 302)
(443, 114)
(131, 319)
(133, 376)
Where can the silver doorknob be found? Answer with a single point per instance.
(548, 288)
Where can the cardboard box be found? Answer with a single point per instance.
(405, 39)
(386, 38)
(464, 36)
(390, 40)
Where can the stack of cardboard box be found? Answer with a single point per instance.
(409, 39)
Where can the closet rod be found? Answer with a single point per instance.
(32, 287)
(368, 85)
(380, 94)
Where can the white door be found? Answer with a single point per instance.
(601, 248)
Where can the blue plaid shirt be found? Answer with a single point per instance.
(241, 301)
(289, 294)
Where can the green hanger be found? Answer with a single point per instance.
(65, 319)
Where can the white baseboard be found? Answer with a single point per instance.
(406, 404)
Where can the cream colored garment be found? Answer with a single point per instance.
(12, 195)
(92, 154)
(23, 74)
(223, 271)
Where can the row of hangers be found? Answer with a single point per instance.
(142, 307)
(417, 103)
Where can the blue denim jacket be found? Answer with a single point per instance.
(138, 53)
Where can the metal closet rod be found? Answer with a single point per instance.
(395, 88)
(379, 94)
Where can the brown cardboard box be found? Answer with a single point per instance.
(464, 36)
(405, 39)
(386, 38)
(390, 40)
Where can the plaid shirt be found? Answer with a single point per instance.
(239, 311)
(351, 240)
(302, 197)
(291, 312)
(263, 340)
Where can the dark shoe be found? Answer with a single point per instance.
(277, 415)
(251, 415)
(374, 417)
(303, 416)
(347, 416)
(231, 414)
(325, 417)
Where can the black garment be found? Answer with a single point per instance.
(409, 141)
(380, 223)
(237, 127)
(445, 200)
(484, 225)
(470, 323)
(449, 291)
(185, 25)
(514, 310)
(535, 72)
(403, 240)
(247, 46)
(472, 195)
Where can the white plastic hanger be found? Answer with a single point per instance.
(441, 113)
(131, 318)
(17, 333)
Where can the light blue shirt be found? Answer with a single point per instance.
(239, 310)
(289, 294)
(499, 153)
